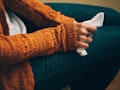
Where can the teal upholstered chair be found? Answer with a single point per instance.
(60, 69)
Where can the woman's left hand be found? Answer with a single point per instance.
(82, 31)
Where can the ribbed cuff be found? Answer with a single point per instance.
(70, 33)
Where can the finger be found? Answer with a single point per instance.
(82, 45)
(85, 39)
(89, 39)
(90, 28)
(82, 31)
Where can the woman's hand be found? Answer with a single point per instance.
(82, 30)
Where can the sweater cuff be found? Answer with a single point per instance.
(70, 33)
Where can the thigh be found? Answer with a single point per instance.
(106, 43)
(57, 70)
(98, 78)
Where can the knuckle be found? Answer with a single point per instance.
(84, 31)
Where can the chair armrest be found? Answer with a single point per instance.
(83, 12)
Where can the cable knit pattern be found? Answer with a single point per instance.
(58, 34)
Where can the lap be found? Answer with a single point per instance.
(63, 68)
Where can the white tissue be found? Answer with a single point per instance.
(97, 21)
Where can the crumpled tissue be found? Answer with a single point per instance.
(97, 21)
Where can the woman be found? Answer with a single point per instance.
(54, 33)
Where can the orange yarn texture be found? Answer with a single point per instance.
(58, 34)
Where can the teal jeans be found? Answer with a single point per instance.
(92, 72)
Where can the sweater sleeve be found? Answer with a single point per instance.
(43, 15)
(37, 12)
(17, 48)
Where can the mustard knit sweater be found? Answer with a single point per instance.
(58, 34)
